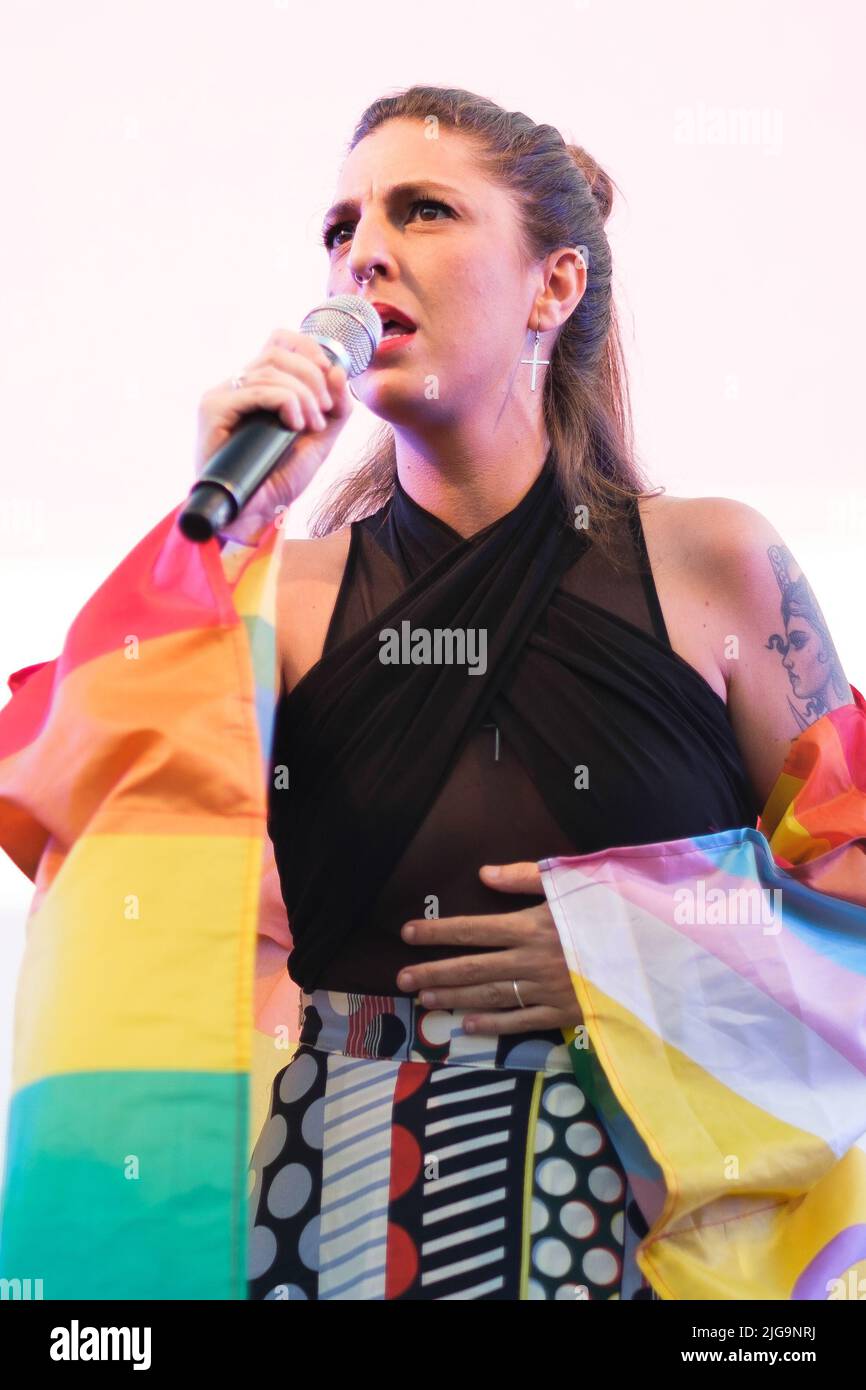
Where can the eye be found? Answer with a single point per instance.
(330, 234)
(431, 203)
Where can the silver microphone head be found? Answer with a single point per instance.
(347, 327)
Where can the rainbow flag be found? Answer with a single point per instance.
(722, 982)
(133, 774)
(154, 1007)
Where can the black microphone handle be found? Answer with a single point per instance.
(256, 445)
(234, 473)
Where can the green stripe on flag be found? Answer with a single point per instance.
(131, 1185)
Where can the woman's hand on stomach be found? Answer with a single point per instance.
(527, 949)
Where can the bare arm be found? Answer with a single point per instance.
(780, 662)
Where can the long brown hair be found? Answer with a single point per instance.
(564, 198)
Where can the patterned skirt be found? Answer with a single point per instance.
(403, 1158)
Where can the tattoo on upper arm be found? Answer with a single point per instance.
(806, 647)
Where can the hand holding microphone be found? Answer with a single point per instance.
(263, 439)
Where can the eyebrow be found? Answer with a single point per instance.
(347, 206)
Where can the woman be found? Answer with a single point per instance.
(428, 1139)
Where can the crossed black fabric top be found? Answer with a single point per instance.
(567, 725)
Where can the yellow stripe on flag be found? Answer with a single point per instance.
(141, 956)
(729, 1167)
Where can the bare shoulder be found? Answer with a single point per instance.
(714, 552)
(315, 558)
(308, 582)
(702, 532)
(723, 547)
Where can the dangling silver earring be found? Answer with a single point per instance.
(535, 361)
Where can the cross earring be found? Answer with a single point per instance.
(535, 361)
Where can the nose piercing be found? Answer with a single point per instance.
(360, 279)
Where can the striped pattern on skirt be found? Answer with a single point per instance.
(404, 1158)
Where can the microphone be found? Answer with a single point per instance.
(350, 330)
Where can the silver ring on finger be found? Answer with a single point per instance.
(237, 381)
(517, 994)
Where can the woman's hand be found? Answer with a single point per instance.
(530, 953)
(293, 377)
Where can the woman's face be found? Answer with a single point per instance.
(807, 673)
(456, 270)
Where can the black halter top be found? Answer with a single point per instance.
(504, 697)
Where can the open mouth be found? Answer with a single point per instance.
(391, 328)
(395, 336)
(395, 322)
